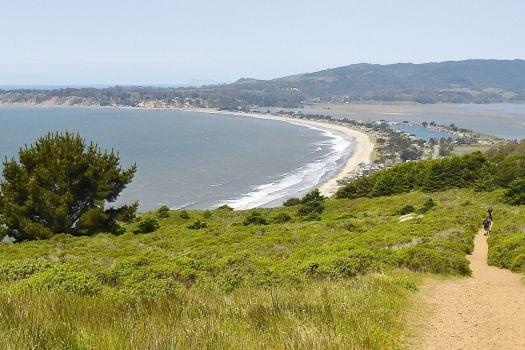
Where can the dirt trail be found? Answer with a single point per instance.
(485, 311)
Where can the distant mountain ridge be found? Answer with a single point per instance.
(471, 73)
(469, 81)
(452, 81)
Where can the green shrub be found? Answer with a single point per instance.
(147, 225)
(64, 279)
(313, 196)
(356, 263)
(21, 269)
(281, 218)
(429, 176)
(197, 225)
(343, 265)
(314, 207)
(35, 231)
(351, 215)
(153, 287)
(224, 207)
(291, 202)
(230, 281)
(429, 259)
(184, 215)
(453, 245)
(207, 214)
(429, 205)
(516, 193)
(506, 169)
(518, 263)
(407, 209)
(255, 218)
(164, 212)
(507, 250)
(486, 181)
(143, 277)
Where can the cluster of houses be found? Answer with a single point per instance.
(396, 142)
(362, 170)
(176, 102)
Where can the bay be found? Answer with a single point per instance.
(191, 159)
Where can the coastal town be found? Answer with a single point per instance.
(395, 144)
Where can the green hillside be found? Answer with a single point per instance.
(346, 279)
(315, 273)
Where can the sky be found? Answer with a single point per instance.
(161, 42)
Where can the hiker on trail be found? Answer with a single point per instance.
(487, 223)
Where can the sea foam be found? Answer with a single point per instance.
(301, 180)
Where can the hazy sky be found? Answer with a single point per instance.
(170, 42)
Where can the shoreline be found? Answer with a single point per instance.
(361, 153)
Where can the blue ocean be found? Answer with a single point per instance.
(192, 159)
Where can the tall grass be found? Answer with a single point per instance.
(361, 313)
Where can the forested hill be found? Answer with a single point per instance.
(478, 81)
(470, 81)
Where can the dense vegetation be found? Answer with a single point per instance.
(478, 171)
(61, 185)
(507, 239)
(430, 176)
(340, 281)
(470, 81)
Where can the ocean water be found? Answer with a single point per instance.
(192, 159)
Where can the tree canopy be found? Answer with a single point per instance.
(478, 171)
(61, 184)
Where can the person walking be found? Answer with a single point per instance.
(487, 222)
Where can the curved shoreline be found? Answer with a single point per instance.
(361, 154)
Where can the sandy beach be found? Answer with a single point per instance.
(363, 145)
(362, 142)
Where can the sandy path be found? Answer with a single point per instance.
(486, 311)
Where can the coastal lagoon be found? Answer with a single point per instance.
(506, 120)
(421, 132)
(193, 159)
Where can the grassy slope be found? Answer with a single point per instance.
(340, 282)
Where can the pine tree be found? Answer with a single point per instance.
(516, 192)
(485, 181)
(62, 185)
